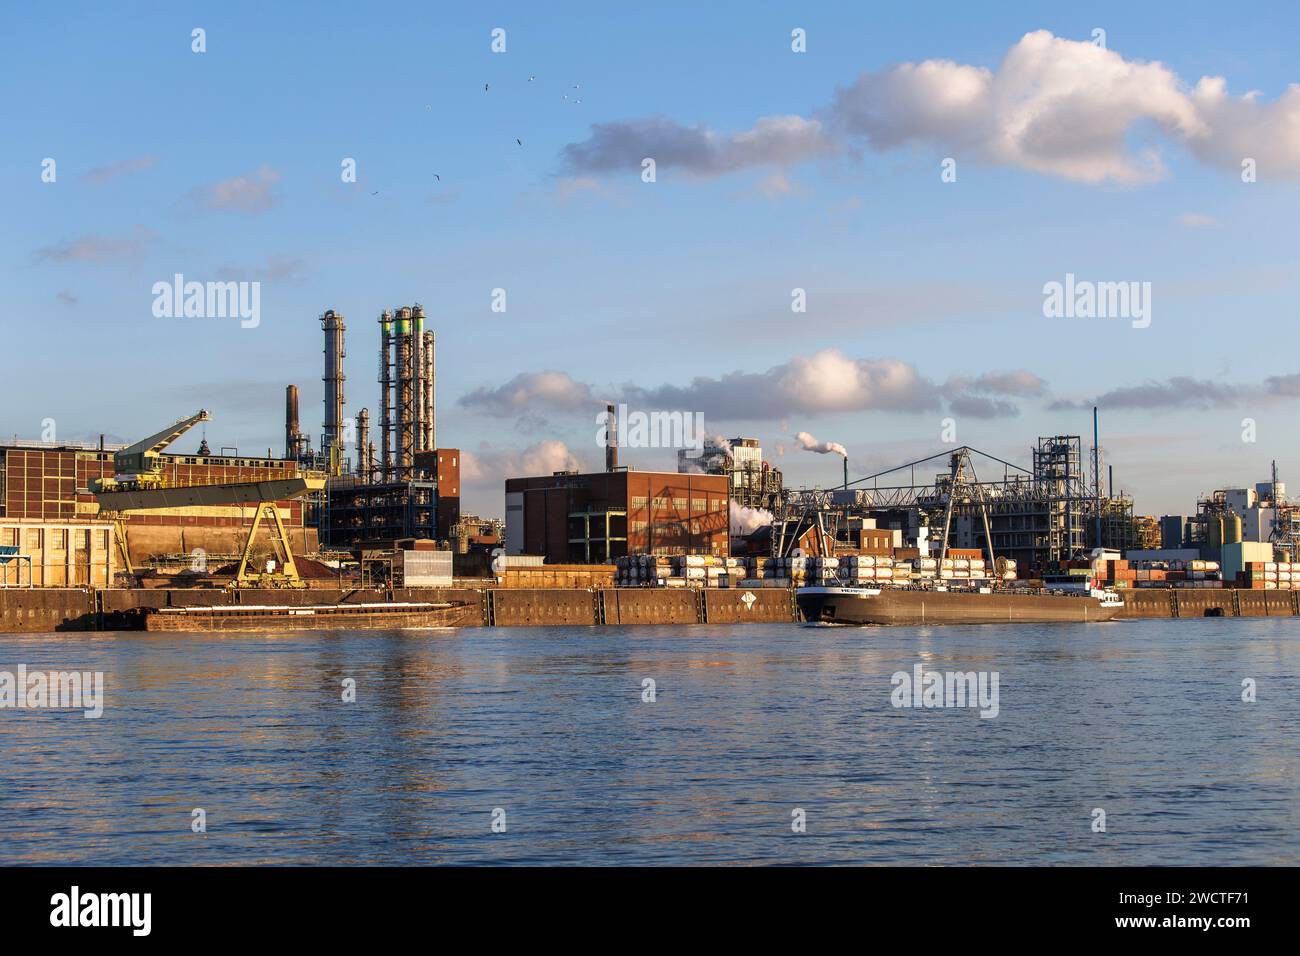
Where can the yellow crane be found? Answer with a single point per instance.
(140, 483)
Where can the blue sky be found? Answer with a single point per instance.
(226, 165)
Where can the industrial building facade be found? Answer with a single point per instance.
(755, 483)
(577, 518)
(47, 483)
(56, 554)
(358, 512)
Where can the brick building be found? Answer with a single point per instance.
(573, 518)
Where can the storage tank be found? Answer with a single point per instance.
(1214, 531)
(1231, 528)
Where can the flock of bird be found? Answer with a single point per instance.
(486, 87)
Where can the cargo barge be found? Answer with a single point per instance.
(901, 605)
(267, 617)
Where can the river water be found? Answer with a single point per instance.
(754, 733)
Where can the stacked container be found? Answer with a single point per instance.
(675, 571)
(1270, 576)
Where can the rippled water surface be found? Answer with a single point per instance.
(1141, 719)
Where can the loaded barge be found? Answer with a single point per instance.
(268, 617)
(903, 605)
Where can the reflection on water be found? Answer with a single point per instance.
(1143, 719)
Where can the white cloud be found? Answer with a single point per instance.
(99, 249)
(1059, 107)
(102, 174)
(252, 192)
(1063, 107)
(827, 381)
(824, 382)
(530, 392)
(772, 141)
(492, 466)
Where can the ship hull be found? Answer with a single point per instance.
(834, 605)
(351, 617)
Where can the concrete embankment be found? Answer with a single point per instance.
(40, 610)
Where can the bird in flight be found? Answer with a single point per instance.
(485, 86)
(437, 177)
(531, 78)
(519, 141)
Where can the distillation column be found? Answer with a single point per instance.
(332, 324)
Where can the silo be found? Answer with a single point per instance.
(1214, 531)
(1231, 528)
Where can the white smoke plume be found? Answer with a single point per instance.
(718, 442)
(748, 520)
(808, 443)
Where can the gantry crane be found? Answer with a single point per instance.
(140, 483)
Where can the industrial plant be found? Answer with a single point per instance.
(372, 510)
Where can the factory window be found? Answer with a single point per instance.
(698, 505)
(59, 539)
(679, 504)
(34, 539)
(638, 527)
(9, 537)
(639, 502)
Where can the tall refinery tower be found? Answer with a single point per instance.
(406, 380)
(331, 323)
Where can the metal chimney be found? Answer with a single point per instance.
(611, 439)
(291, 431)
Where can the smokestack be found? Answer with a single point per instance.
(1096, 476)
(332, 324)
(611, 439)
(846, 472)
(291, 431)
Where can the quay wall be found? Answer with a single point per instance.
(42, 610)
